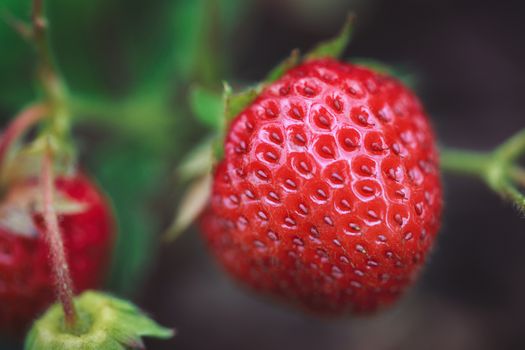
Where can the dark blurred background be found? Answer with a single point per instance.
(130, 65)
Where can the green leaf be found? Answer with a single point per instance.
(130, 175)
(288, 63)
(16, 59)
(334, 47)
(235, 103)
(104, 323)
(207, 106)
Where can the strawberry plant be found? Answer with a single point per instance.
(319, 187)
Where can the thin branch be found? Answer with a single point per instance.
(55, 96)
(498, 168)
(64, 284)
(41, 40)
(52, 84)
(513, 148)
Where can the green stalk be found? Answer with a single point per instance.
(58, 130)
(498, 169)
(465, 162)
(53, 87)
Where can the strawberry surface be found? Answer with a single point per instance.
(26, 283)
(329, 194)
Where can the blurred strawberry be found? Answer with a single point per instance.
(86, 222)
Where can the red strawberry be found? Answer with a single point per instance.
(329, 194)
(26, 283)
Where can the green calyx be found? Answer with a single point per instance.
(104, 323)
(217, 110)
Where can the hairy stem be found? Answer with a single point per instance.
(64, 285)
(27, 118)
(55, 137)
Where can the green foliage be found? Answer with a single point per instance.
(207, 106)
(126, 170)
(125, 63)
(16, 61)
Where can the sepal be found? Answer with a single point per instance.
(192, 204)
(234, 103)
(104, 323)
(287, 64)
(336, 46)
(207, 108)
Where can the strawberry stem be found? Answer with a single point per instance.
(55, 138)
(51, 82)
(464, 162)
(513, 148)
(499, 169)
(63, 282)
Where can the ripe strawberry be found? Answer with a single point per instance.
(329, 194)
(26, 283)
